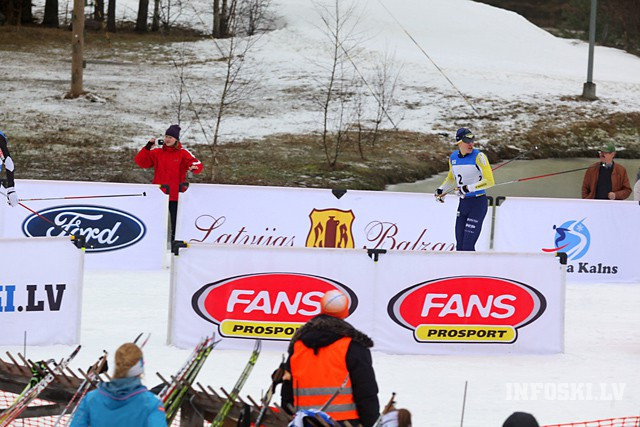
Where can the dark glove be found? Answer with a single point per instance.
(276, 376)
(461, 191)
(439, 195)
(150, 144)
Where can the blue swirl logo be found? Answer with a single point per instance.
(104, 229)
(573, 238)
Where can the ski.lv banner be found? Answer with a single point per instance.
(40, 291)
(409, 302)
(296, 217)
(128, 231)
(600, 237)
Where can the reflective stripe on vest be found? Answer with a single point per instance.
(316, 377)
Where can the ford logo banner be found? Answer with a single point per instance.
(104, 229)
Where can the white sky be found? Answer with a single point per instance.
(495, 57)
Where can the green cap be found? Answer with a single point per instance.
(608, 148)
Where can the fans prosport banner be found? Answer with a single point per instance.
(292, 217)
(128, 231)
(409, 302)
(40, 305)
(600, 237)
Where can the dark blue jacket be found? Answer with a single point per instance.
(123, 402)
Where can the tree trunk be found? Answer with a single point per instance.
(224, 19)
(51, 14)
(155, 25)
(143, 14)
(25, 12)
(99, 11)
(77, 47)
(216, 18)
(111, 16)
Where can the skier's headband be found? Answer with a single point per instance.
(137, 369)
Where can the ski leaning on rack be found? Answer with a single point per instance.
(91, 377)
(228, 404)
(181, 384)
(37, 375)
(266, 399)
(9, 416)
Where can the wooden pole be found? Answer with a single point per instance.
(77, 48)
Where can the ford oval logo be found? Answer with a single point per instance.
(104, 229)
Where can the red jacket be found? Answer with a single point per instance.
(170, 165)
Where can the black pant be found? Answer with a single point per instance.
(173, 215)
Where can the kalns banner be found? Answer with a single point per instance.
(319, 218)
(409, 302)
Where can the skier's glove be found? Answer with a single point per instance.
(461, 191)
(276, 376)
(12, 197)
(439, 195)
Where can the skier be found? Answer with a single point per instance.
(171, 162)
(470, 174)
(7, 161)
(322, 354)
(123, 401)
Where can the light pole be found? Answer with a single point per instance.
(589, 88)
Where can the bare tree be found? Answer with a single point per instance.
(111, 16)
(383, 88)
(77, 49)
(339, 26)
(155, 21)
(143, 16)
(98, 13)
(50, 14)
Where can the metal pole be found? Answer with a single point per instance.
(589, 88)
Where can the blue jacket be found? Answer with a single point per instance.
(123, 402)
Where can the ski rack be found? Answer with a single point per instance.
(14, 376)
(202, 405)
(198, 409)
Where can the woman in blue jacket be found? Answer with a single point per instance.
(124, 401)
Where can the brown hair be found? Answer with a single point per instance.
(127, 355)
(404, 418)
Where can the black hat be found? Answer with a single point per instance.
(465, 135)
(520, 419)
(174, 131)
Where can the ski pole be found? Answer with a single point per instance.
(38, 199)
(464, 402)
(519, 156)
(40, 216)
(544, 176)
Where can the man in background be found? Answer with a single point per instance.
(9, 166)
(606, 180)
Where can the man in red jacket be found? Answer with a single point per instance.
(170, 162)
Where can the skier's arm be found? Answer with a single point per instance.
(157, 417)
(81, 417)
(6, 161)
(487, 174)
(449, 182)
(363, 383)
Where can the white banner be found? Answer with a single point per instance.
(125, 232)
(409, 302)
(44, 302)
(600, 237)
(292, 217)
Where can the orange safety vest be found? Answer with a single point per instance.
(316, 377)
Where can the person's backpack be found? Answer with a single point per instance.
(312, 418)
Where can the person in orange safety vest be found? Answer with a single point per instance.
(330, 360)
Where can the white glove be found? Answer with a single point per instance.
(12, 197)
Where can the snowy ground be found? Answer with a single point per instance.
(597, 377)
(505, 65)
(511, 71)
